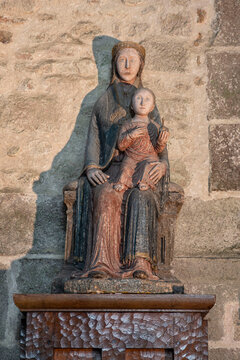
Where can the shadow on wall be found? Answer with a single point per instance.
(34, 272)
(49, 232)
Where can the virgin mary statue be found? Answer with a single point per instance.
(116, 232)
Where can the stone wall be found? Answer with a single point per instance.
(54, 64)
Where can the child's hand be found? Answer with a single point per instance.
(137, 132)
(163, 137)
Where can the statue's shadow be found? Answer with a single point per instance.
(49, 231)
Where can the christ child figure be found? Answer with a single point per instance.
(141, 140)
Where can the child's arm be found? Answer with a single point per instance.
(124, 140)
(127, 135)
(162, 140)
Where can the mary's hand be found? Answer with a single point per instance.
(96, 176)
(157, 172)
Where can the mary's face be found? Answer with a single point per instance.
(128, 64)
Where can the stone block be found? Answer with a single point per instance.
(174, 112)
(236, 321)
(223, 354)
(14, 179)
(208, 271)
(16, 223)
(217, 318)
(36, 275)
(34, 113)
(179, 173)
(212, 276)
(176, 24)
(80, 32)
(3, 302)
(66, 166)
(224, 157)
(227, 22)
(208, 228)
(125, 286)
(223, 85)
(165, 56)
(49, 226)
(169, 86)
(9, 353)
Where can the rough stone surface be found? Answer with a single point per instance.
(36, 113)
(226, 23)
(25, 229)
(3, 302)
(219, 277)
(42, 273)
(212, 228)
(223, 354)
(49, 227)
(209, 271)
(9, 353)
(166, 56)
(115, 332)
(54, 64)
(236, 320)
(225, 157)
(176, 24)
(223, 85)
(128, 286)
(16, 223)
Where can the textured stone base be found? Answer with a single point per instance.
(115, 327)
(127, 286)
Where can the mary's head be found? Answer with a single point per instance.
(128, 60)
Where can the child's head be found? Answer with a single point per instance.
(143, 101)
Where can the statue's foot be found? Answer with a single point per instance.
(97, 275)
(76, 274)
(119, 187)
(143, 187)
(140, 274)
(142, 269)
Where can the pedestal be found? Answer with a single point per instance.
(119, 326)
(123, 286)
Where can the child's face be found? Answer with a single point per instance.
(143, 102)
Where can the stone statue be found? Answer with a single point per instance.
(113, 231)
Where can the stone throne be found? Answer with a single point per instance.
(165, 246)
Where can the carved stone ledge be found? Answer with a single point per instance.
(115, 327)
(57, 302)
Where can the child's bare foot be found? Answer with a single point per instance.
(143, 186)
(119, 187)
